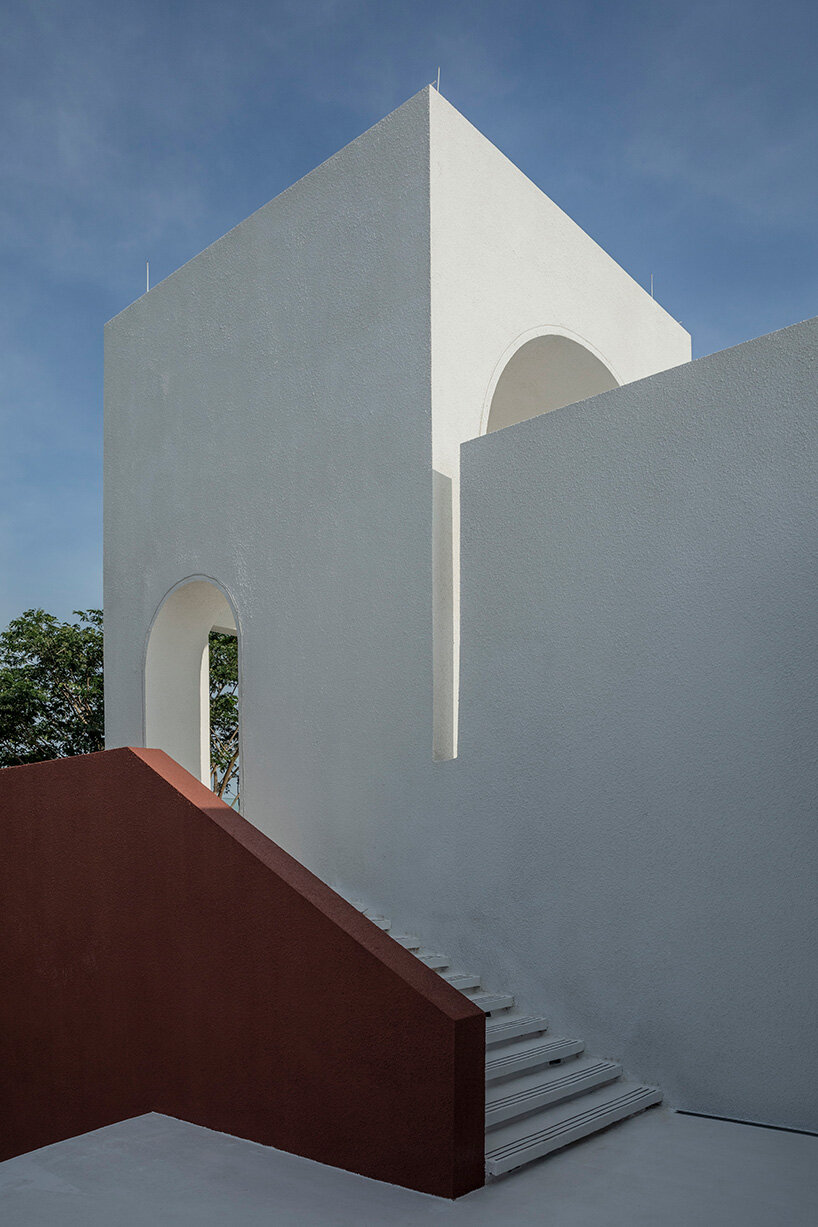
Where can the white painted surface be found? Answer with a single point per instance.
(269, 423)
(508, 266)
(545, 373)
(177, 673)
(639, 712)
(657, 1168)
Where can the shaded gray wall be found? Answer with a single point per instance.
(639, 720)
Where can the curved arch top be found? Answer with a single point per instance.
(176, 688)
(544, 369)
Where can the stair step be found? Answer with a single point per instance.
(521, 1141)
(529, 1092)
(489, 1002)
(435, 961)
(461, 980)
(370, 913)
(515, 1057)
(407, 941)
(513, 1026)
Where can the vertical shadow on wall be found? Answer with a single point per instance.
(444, 726)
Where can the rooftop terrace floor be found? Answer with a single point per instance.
(660, 1169)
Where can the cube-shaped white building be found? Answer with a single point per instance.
(284, 418)
(534, 686)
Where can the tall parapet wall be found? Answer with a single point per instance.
(528, 314)
(626, 831)
(158, 953)
(283, 417)
(639, 719)
(268, 430)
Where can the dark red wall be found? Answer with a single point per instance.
(158, 953)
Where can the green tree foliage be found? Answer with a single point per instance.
(51, 701)
(224, 716)
(51, 696)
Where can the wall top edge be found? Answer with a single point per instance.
(419, 99)
(740, 352)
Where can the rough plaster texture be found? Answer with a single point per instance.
(639, 718)
(546, 373)
(507, 267)
(287, 368)
(301, 363)
(577, 850)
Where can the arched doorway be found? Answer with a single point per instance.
(544, 369)
(177, 671)
(545, 372)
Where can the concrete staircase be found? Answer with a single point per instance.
(542, 1091)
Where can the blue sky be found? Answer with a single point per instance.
(682, 137)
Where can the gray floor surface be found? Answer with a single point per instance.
(660, 1168)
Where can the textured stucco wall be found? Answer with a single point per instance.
(268, 426)
(507, 261)
(507, 265)
(639, 719)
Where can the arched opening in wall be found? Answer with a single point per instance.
(223, 676)
(192, 693)
(544, 369)
(545, 373)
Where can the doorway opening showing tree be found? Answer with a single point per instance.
(225, 765)
(192, 691)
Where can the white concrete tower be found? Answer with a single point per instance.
(284, 416)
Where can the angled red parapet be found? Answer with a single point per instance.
(158, 953)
